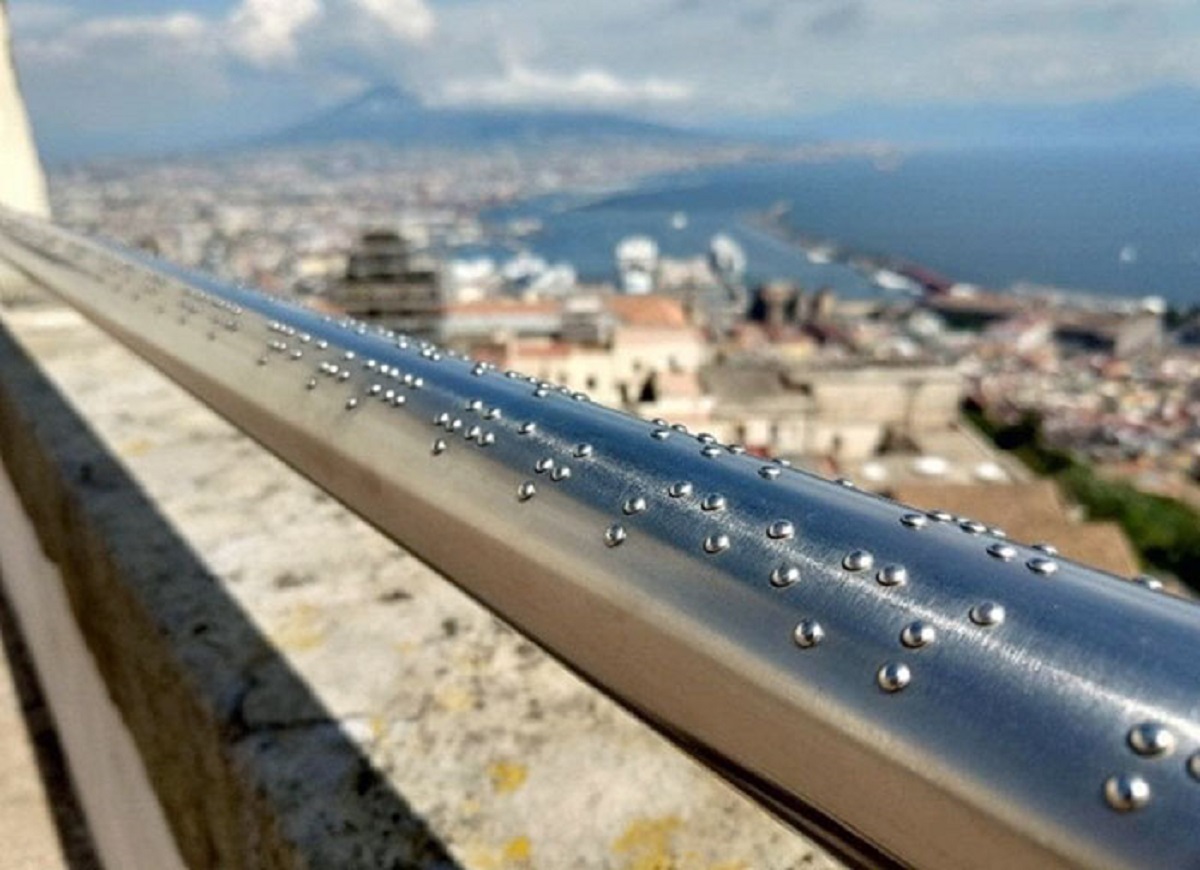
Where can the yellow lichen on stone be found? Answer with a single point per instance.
(647, 843)
(378, 726)
(300, 630)
(455, 699)
(507, 776)
(479, 857)
(135, 447)
(518, 850)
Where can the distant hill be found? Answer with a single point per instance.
(390, 115)
(1162, 117)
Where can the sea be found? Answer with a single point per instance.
(1105, 222)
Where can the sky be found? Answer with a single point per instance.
(98, 73)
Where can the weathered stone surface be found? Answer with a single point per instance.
(304, 692)
(22, 182)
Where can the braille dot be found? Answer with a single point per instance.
(473, 432)
(736, 449)
(783, 463)
(660, 434)
(894, 676)
(441, 419)
(784, 576)
(583, 451)
(374, 389)
(439, 447)
(1151, 739)
(914, 521)
(988, 614)
(1151, 583)
(1041, 565)
(615, 535)
(807, 633)
(541, 393)
(474, 405)
(454, 425)
(526, 490)
(918, 634)
(1126, 792)
(711, 451)
(418, 383)
(560, 473)
(397, 401)
(351, 404)
(997, 533)
(1048, 549)
(713, 502)
(705, 438)
(718, 543)
(543, 465)
(971, 527)
(634, 505)
(527, 428)
(781, 530)
(940, 516)
(312, 383)
(1004, 552)
(344, 376)
(769, 472)
(858, 560)
(892, 575)
(1193, 766)
(493, 414)
(680, 489)
(846, 482)
(680, 428)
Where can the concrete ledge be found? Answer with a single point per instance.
(300, 691)
(179, 659)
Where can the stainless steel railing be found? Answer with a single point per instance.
(910, 687)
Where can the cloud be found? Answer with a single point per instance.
(264, 32)
(36, 17)
(180, 75)
(406, 20)
(83, 62)
(592, 86)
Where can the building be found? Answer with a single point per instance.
(392, 279)
(1030, 512)
(846, 412)
(632, 351)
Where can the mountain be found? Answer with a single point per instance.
(391, 115)
(1161, 117)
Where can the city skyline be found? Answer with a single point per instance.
(144, 75)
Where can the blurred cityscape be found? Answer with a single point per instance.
(1099, 393)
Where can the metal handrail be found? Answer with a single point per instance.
(910, 687)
